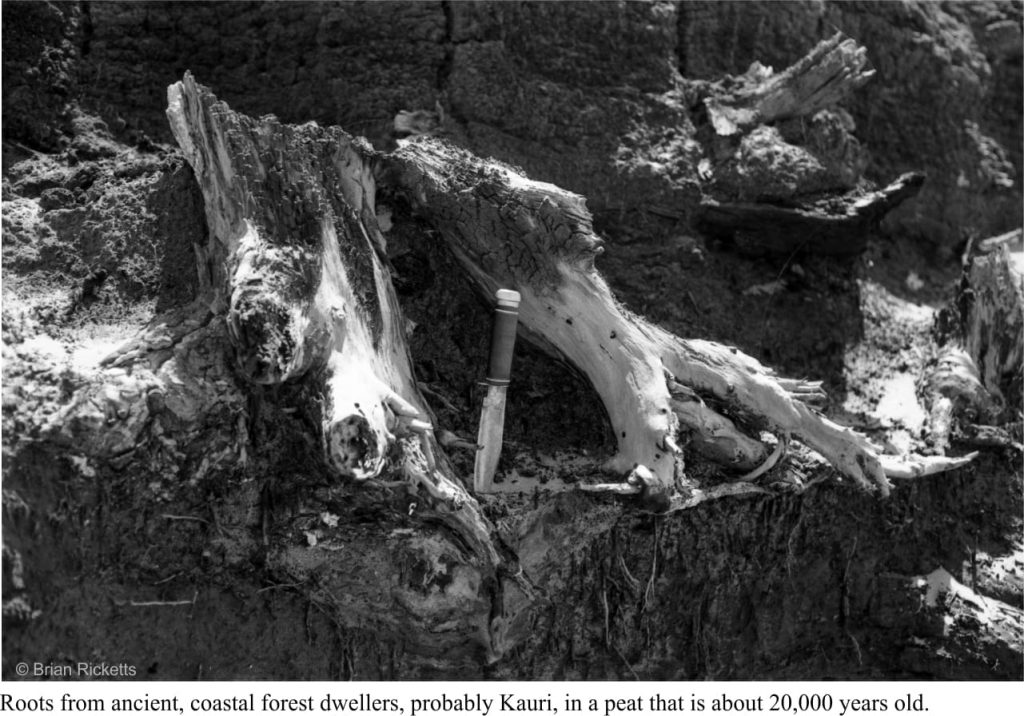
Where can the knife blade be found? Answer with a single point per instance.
(492, 415)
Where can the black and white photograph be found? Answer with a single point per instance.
(501, 341)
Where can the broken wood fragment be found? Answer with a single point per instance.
(1009, 436)
(991, 300)
(712, 435)
(951, 390)
(1011, 239)
(726, 489)
(824, 76)
(770, 462)
(839, 225)
(909, 467)
(612, 488)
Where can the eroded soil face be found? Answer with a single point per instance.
(174, 564)
(799, 585)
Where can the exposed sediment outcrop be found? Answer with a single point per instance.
(188, 481)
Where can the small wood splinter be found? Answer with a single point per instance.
(912, 466)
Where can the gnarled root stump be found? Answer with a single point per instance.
(509, 231)
(293, 301)
(298, 263)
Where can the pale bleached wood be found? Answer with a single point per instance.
(538, 239)
(824, 76)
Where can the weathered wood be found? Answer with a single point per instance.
(952, 390)
(293, 301)
(777, 190)
(1010, 239)
(837, 225)
(300, 271)
(509, 231)
(299, 268)
(992, 314)
(824, 76)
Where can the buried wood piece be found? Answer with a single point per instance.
(714, 435)
(830, 71)
(452, 441)
(974, 382)
(727, 489)
(771, 461)
(507, 230)
(992, 436)
(663, 503)
(907, 468)
(951, 389)
(991, 299)
(838, 225)
(1011, 239)
(776, 186)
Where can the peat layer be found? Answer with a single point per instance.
(104, 229)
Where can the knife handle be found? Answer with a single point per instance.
(503, 337)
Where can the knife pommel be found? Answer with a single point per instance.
(503, 337)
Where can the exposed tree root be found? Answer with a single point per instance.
(298, 259)
(509, 231)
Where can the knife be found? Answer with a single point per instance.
(492, 417)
